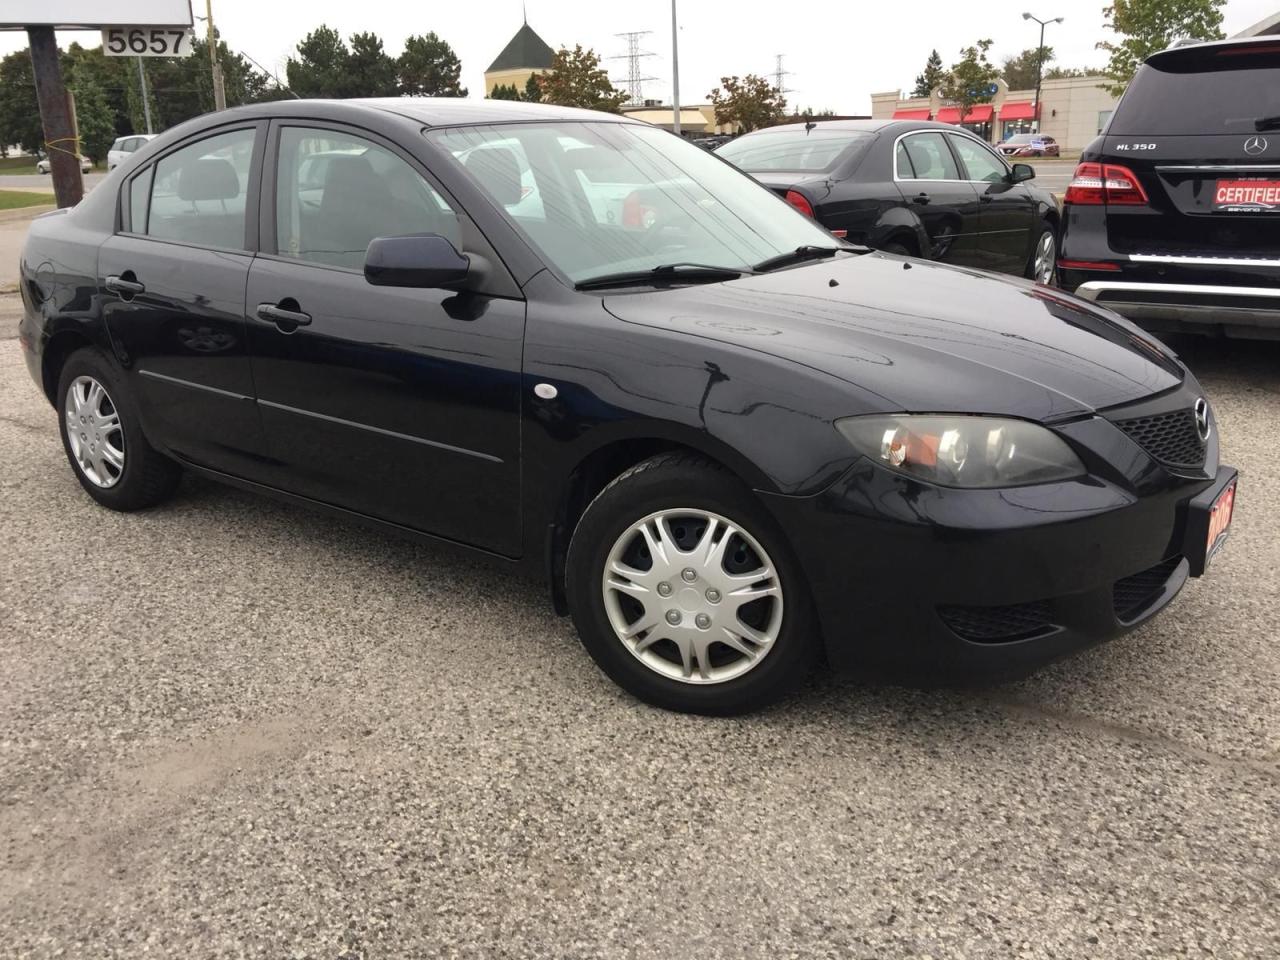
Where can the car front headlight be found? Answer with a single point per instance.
(964, 451)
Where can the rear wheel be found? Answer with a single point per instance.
(685, 593)
(103, 439)
(1042, 267)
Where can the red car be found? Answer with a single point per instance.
(1029, 145)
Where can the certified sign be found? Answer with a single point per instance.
(1247, 195)
(146, 41)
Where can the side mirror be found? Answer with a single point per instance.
(1022, 172)
(425, 260)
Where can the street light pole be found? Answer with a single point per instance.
(675, 71)
(1040, 59)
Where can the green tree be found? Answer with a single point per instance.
(19, 111)
(577, 80)
(1146, 26)
(1020, 72)
(1062, 73)
(532, 90)
(429, 68)
(747, 103)
(95, 120)
(115, 77)
(504, 91)
(322, 67)
(931, 78)
(970, 79)
(370, 71)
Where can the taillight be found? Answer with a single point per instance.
(800, 202)
(636, 215)
(1104, 183)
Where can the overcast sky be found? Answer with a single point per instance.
(837, 53)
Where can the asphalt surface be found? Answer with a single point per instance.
(232, 728)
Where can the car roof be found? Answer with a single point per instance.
(1180, 50)
(893, 127)
(437, 111)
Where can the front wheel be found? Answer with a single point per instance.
(1042, 266)
(685, 593)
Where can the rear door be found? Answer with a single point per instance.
(172, 284)
(1199, 127)
(1008, 209)
(398, 403)
(937, 192)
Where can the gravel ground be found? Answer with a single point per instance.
(233, 728)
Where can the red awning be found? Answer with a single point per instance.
(977, 114)
(922, 114)
(1018, 110)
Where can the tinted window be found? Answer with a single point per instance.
(199, 192)
(336, 192)
(1215, 91)
(139, 189)
(980, 162)
(930, 158)
(817, 151)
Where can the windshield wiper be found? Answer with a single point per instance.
(692, 272)
(809, 251)
(1266, 123)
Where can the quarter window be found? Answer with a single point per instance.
(139, 190)
(199, 192)
(336, 192)
(930, 158)
(981, 163)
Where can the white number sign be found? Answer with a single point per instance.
(146, 42)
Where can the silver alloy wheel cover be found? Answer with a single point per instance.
(1046, 257)
(94, 432)
(697, 613)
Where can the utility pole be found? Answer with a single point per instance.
(1040, 59)
(219, 94)
(675, 70)
(146, 99)
(57, 118)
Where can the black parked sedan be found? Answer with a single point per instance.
(597, 353)
(913, 187)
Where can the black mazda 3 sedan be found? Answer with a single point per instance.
(731, 445)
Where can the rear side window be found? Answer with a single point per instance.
(817, 151)
(1221, 90)
(199, 192)
(139, 193)
(928, 157)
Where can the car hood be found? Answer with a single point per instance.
(923, 336)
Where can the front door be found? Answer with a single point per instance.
(172, 286)
(397, 403)
(937, 193)
(1007, 225)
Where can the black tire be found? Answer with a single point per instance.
(1046, 229)
(147, 477)
(897, 248)
(677, 481)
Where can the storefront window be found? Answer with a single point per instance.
(1014, 127)
(980, 130)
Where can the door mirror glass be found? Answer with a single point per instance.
(425, 260)
(1023, 172)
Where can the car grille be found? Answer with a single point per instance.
(1171, 438)
(1132, 595)
(1017, 621)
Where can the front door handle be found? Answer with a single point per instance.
(985, 198)
(922, 198)
(284, 314)
(126, 285)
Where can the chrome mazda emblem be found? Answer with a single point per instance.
(1202, 419)
(1256, 145)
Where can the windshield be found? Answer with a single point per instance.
(1218, 90)
(817, 151)
(602, 198)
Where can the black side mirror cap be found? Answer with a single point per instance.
(1022, 172)
(425, 260)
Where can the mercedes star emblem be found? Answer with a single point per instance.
(1256, 145)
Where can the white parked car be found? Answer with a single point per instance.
(42, 165)
(124, 146)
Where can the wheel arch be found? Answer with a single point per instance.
(60, 346)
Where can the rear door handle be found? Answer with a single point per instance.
(985, 198)
(921, 198)
(124, 286)
(282, 315)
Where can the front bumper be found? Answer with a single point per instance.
(978, 585)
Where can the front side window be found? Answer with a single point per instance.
(980, 162)
(335, 192)
(930, 158)
(619, 197)
(199, 192)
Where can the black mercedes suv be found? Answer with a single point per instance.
(1173, 216)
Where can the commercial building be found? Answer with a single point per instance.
(1072, 110)
(696, 120)
(526, 53)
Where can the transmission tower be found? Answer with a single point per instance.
(633, 56)
(780, 75)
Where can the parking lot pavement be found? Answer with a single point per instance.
(233, 728)
(1053, 175)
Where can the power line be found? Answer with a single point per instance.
(779, 75)
(634, 81)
